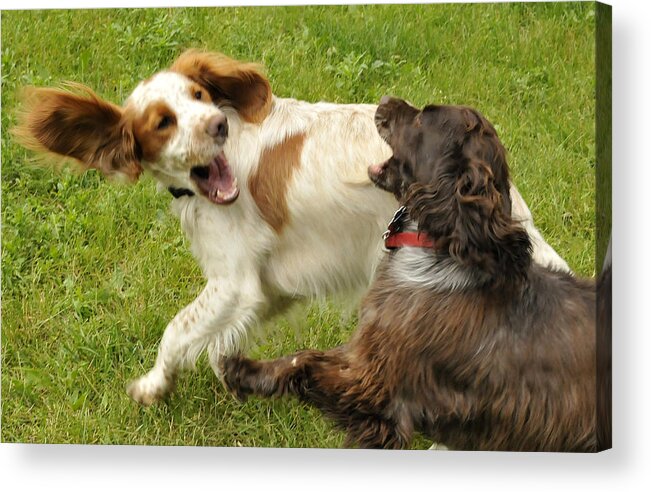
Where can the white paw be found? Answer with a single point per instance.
(150, 388)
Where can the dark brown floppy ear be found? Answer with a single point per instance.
(76, 123)
(241, 84)
(467, 214)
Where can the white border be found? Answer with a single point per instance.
(626, 467)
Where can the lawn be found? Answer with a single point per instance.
(92, 271)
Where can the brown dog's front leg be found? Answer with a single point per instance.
(286, 375)
(322, 379)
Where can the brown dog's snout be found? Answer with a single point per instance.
(217, 128)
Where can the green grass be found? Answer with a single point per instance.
(92, 272)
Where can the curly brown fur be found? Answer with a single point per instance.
(461, 195)
(504, 360)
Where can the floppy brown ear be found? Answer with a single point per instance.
(467, 214)
(77, 123)
(241, 84)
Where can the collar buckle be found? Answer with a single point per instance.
(396, 223)
(395, 238)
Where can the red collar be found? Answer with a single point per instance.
(414, 239)
(395, 238)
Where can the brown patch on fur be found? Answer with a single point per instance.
(240, 84)
(269, 183)
(76, 123)
(153, 128)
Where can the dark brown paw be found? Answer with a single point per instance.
(238, 373)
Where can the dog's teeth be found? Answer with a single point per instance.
(220, 194)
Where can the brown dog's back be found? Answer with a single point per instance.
(485, 369)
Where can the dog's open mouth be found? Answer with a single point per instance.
(215, 181)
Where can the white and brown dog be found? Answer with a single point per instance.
(272, 193)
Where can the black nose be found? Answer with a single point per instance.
(217, 128)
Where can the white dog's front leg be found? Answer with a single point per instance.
(220, 316)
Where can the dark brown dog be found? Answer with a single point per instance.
(468, 341)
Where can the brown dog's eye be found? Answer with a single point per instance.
(198, 95)
(164, 122)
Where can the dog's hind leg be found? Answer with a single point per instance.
(542, 253)
(220, 318)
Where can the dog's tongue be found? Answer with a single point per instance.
(215, 181)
